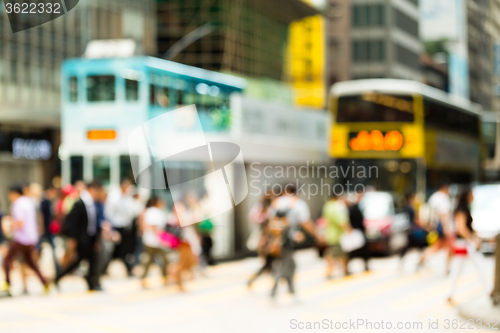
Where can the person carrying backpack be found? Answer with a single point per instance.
(287, 217)
(280, 246)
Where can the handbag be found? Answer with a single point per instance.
(254, 238)
(54, 227)
(168, 240)
(352, 241)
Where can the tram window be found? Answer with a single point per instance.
(73, 89)
(101, 88)
(188, 98)
(76, 168)
(126, 163)
(101, 169)
(375, 107)
(159, 96)
(179, 97)
(131, 90)
(201, 101)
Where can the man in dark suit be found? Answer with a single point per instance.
(83, 223)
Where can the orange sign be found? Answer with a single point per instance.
(106, 134)
(376, 140)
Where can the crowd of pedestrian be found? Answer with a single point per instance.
(281, 223)
(82, 222)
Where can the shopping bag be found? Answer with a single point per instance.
(352, 241)
(254, 238)
(168, 240)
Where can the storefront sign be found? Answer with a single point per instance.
(31, 149)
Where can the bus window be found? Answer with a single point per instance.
(489, 135)
(375, 107)
(159, 96)
(442, 116)
(131, 90)
(101, 169)
(126, 163)
(101, 88)
(76, 168)
(73, 89)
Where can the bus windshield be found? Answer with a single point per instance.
(375, 107)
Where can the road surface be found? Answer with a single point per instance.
(388, 295)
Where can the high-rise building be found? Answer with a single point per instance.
(30, 63)
(246, 37)
(338, 16)
(479, 49)
(385, 39)
(494, 28)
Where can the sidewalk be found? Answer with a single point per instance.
(480, 308)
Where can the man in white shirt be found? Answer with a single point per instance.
(120, 210)
(440, 219)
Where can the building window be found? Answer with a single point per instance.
(101, 88)
(368, 15)
(335, 51)
(407, 57)
(406, 23)
(368, 50)
(13, 71)
(378, 15)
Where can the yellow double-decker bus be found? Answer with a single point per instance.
(409, 135)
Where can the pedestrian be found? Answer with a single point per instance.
(138, 213)
(206, 230)
(440, 219)
(495, 294)
(281, 245)
(295, 215)
(154, 221)
(2, 235)
(84, 226)
(416, 234)
(190, 234)
(186, 258)
(120, 211)
(25, 234)
(467, 244)
(356, 220)
(259, 216)
(337, 216)
(69, 195)
(47, 208)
